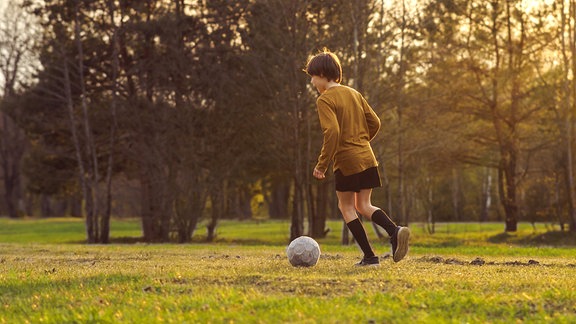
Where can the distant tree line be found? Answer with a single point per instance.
(185, 112)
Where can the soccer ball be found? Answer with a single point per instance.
(303, 252)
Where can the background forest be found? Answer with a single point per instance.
(185, 112)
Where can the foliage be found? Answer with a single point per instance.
(200, 102)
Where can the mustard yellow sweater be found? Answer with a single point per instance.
(349, 124)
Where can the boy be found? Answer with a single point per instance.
(349, 124)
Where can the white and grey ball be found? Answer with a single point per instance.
(303, 251)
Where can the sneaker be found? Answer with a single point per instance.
(369, 261)
(399, 243)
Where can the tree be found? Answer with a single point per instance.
(567, 99)
(179, 66)
(499, 42)
(17, 40)
(77, 99)
(279, 43)
(204, 104)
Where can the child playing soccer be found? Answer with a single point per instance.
(349, 124)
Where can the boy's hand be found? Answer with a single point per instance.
(319, 174)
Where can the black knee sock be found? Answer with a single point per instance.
(360, 236)
(379, 217)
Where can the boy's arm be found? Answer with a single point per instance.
(331, 131)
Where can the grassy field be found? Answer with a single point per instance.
(463, 273)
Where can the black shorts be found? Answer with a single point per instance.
(367, 179)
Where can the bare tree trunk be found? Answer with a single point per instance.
(456, 193)
(318, 222)
(431, 221)
(400, 107)
(511, 150)
(316, 199)
(45, 206)
(505, 127)
(486, 194)
(297, 225)
(557, 201)
(149, 227)
(12, 145)
(105, 220)
(90, 146)
(86, 193)
(279, 199)
(508, 195)
(216, 197)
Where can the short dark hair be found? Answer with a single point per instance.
(325, 64)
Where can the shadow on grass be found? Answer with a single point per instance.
(116, 240)
(552, 238)
(196, 240)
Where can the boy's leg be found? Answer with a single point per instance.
(399, 235)
(346, 205)
(364, 205)
(379, 217)
(360, 236)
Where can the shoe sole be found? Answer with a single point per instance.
(402, 241)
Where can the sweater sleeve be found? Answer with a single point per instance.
(371, 119)
(331, 131)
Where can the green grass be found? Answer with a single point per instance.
(463, 273)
